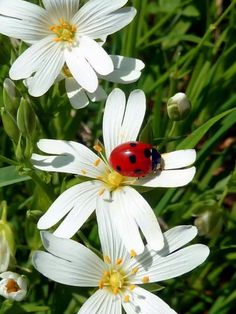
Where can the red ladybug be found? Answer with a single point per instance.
(135, 159)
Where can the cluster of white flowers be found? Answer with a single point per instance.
(66, 43)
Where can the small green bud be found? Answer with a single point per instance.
(11, 97)
(209, 223)
(26, 119)
(10, 125)
(178, 107)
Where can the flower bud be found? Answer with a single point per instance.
(4, 254)
(178, 107)
(209, 223)
(13, 286)
(26, 119)
(10, 125)
(11, 97)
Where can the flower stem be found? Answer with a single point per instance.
(8, 161)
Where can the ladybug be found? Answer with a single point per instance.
(135, 159)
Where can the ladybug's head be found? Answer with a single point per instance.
(156, 159)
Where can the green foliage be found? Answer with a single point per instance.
(187, 46)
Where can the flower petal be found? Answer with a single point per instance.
(72, 251)
(76, 94)
(126, 70)
(81, 69)
(145, 302)
(111, 243)
(145, 218)
(126, 225)
(61, 9)
(179, 159)
(159, 268)
(23, 20)
(102, 302)
(47, 73)
(96, 55)
(103, 23)
(70, 157)
(30, 60)
(81, 274)
(168, 178)
(71, 198)
(119, 125)
(112, 120)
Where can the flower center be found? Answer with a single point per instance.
(64, 31)
(12, 286)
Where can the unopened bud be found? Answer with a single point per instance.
(4, 254)
(11, 97)
(13, 286)
(209, 223)
(178, 107)
(26, 119)
(10, 126)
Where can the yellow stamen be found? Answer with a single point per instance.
(126, 298)
(101, 284)
(119, 261)
(132, 287)
(101, 191)
(135, 270)
(97, 162)
(115, 290)
(83, 171)
(12, 286)
(107, 259)
(97, 148)
(145, 279)
(65, 31)
(133, 253)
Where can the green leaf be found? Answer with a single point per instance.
(192, 140)
(9, 175)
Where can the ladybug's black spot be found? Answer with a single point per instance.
(138, 171)
(118, 168)
(132, 144)
(132, 159)
(147, 153)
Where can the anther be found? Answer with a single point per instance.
(107, 259)
(115, 290)
(126, 298)
(133, 253)
(97, 162)
(145, 279)
(135, 270)
(101, 284)
(119, 261)
(97, 148)
(101, 191)
(83, 171)
(132, 287)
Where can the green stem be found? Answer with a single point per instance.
(4, 211)
(8, 161)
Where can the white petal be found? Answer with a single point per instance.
(168, 178)
(30, 60)
(81, 273)
(61, 9)
(177, 237)
(23, 20)
(145, 218)
(68, 200)
(159, 268)
(145, 302)
(81, 70)
(127, 70)
(95, 9)
(102, 302)
(73, 252)
(126, 225)
(112, 120)
(47, 72)
(81, 211)
(76, 94)
(101, 24)
(111, 243)
(96, 55)
(179, 159)
(98, 95)
(134, 114)
(70, 157)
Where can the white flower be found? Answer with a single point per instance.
(130, 211)
(4, 253)
(13, 286)
(59, 34)
(118, 274)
